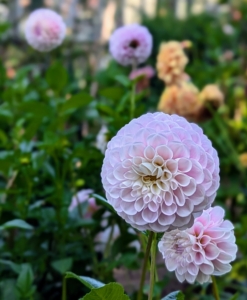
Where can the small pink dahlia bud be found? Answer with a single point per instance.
(81, 197)
(144, 75)
(205, 249)
(159, 170)
(131, 44)
(45, 30)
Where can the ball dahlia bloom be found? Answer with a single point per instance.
(159, 170)
(205, 249)
(81, 197)
(171, 62)
(45, 30)
(182, 100)
(131, 44)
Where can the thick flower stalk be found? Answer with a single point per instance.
(171, 62)
(159, 170)
(131, 44)
(45, 30)
(182, 100)
(205, 249)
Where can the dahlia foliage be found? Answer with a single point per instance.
(159, 170)
(205, 249)
(45, 30)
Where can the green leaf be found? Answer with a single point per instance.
(62, 265)
(235, 296)
(75, 102)
(15, 267)
(8, 289)
(104, 202)
(110, 291)
(113, 93)
(178, 295)
(17, 223)
(25, 280)
(57, 77)
(87, 281)
(123, 80)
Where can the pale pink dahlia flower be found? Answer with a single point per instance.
(159, 170)
(81, 197)
(45, 29)
(205, 249)
(131, 44)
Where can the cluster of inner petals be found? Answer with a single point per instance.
(205, 249)
(158, 170)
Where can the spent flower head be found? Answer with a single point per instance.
(159, 170)
(171, 62)
(182, 100)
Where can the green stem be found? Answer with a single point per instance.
(108, 244)
(215, 289)
(132, 101)
(64, 290)
(145, 263)
(152, 270)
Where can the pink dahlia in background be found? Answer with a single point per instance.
(144, 74)
(45, 30)
(205, 249)
(131, 44)
(81, 197)
(159, 170)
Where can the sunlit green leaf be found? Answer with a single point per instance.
(17, 223)
(87, 281)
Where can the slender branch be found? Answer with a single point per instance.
(152, 271)
(145, 263)
(215, 289)
(132, 101)
(64, 290)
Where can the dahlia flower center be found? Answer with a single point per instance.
(134, 44)
(179, 249)
(154, 177)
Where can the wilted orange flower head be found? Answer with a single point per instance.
(212, 93)
(182, 100)
(171, 62)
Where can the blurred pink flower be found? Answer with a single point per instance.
(82, 197)
(131, 44)
(159, 170)
(144, 74)
(45, 30)
(206, 249)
